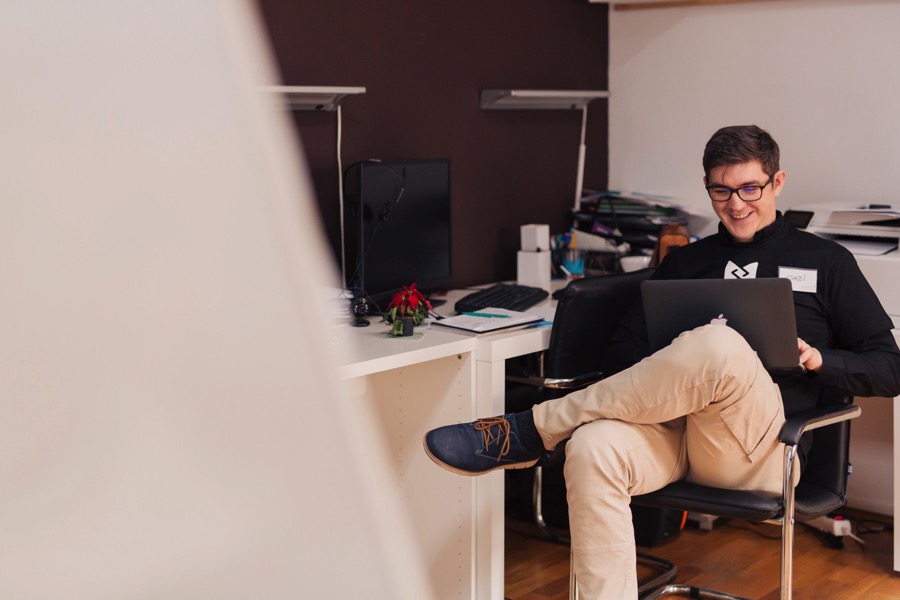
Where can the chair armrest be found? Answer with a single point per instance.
(556, 383)
(814, 418)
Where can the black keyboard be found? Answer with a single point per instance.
(510, 296)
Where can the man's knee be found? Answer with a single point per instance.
(615, 458)
(716, 345)
(596, 449)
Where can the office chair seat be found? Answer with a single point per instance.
(810, 501)
(738, 504)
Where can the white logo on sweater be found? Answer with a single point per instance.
(732, 271)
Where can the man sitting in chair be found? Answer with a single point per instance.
(702, 408)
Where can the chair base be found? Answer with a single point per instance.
(691, 592)
(667, 573)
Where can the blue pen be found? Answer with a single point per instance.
(486, 315)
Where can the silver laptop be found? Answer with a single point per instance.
(761, 310)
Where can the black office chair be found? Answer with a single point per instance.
(586, 317)
(822, 487)
(587, 314)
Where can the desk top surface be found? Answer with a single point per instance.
(370, 349)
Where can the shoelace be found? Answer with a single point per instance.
(485, 426)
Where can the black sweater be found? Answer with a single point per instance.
(843, 318)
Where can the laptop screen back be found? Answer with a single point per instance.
(761, 310)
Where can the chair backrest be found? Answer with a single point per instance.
(587, 314)
(825, 474)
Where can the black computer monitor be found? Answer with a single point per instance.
(397, 227)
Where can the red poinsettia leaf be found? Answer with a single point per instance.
(396, 300)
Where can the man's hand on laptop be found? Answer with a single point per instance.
(810, 358)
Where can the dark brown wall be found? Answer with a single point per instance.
(423, 64)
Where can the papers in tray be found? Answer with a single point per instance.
(868, 247)
(488, 320)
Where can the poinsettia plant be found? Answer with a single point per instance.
(408, 302)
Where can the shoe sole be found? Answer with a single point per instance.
(442, 464)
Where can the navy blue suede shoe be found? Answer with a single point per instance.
(481, 446)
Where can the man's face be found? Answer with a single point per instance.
(743, 219)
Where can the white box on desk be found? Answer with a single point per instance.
(535, 238)
(533, 268)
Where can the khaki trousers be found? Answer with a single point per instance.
(703, 408)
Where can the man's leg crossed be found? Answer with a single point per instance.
(709, 365)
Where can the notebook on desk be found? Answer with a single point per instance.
(761, 310)
(488, 320)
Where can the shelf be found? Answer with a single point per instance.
(647, 4)
(310, 97)
(539, 99)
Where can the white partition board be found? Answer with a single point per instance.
(171, 422)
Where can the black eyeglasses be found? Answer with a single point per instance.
(747, 193)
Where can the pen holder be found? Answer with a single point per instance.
(573, 261)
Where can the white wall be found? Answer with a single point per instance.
(822, 76)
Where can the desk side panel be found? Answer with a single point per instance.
(408, 402)
(490, 551)
(869, 442)
(871, 486)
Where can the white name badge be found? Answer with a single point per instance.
(802, 280)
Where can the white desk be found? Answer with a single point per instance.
(882, 273)
(416, 385)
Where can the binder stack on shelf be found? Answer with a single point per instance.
(635, 220)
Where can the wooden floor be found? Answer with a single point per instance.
(738, 557)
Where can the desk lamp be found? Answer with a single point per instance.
(325, 98)
(506, 99)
